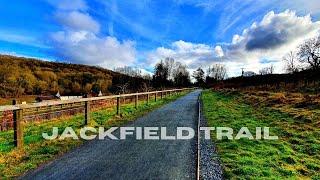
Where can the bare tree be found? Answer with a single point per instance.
(263, 71)
(181, 75)
(130, 71)
(147, 77)
(267, 70)
(271, 69)
(123, 88)
(291, 61)
(170, 64)
(309, 52)
(217, 72)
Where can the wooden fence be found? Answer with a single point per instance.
(21, 110)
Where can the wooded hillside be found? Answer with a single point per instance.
(23, 76)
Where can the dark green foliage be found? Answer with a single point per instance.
(161, 75)
(199, 76)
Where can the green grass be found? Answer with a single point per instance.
(14, 162)
(296, 155)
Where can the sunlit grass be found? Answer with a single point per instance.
(296, 155)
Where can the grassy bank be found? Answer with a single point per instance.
(296, 155)
(14, 162)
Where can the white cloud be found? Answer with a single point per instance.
(86, 48)
(237, 13)
(191, 54)
(263, 44)
(73, 15)
(80, 40)
(311, 6)
(78, 21)
(218, 51)
(271, 38)
(277, 29)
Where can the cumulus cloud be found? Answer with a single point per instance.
(86, 48)
(78, 21)
(271, 38)
(80, 40)
(277, 29)
(260, 45)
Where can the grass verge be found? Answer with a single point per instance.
(296, 155)
(14, 162)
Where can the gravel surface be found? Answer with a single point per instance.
(210, 166)
(134, 159)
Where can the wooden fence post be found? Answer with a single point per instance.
(86, 111)
(155, 96)
(161, 94)
(148, 98)
(18, 126)
(136, 101)
(118, 105)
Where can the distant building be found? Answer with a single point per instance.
(56, 97)
(64, 98)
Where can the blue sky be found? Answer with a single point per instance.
(199, 33)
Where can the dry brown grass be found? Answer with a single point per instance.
(302, 106)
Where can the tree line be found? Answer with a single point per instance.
(25, 76)
(302, 66)
(170, 73)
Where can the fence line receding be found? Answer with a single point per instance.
(19, 110)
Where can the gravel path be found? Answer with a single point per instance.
(134, 159)
(210, 166)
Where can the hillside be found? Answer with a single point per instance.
(25, 76)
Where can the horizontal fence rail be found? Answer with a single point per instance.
(19, 111)
(64, 102)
